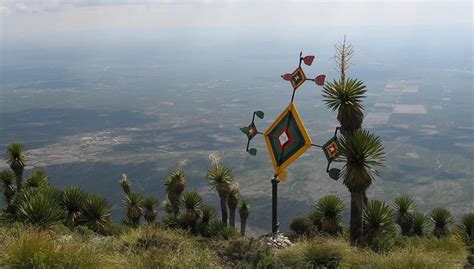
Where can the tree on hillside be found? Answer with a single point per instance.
(233, 202)
(361, 152)
(220, 178)
(244, 212)
(175, 183)
(16, 158)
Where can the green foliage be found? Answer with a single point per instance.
(37, 179)
(7, 179)
(302, 225)
(40, 209)
(133, 201)
(96, 213)
(149, 205)
(32, 249)
(361, 152)
(346, 97)
(220, 178)
(214, 228)
(175, 183)
(72, 201)
(167, 206)
(192, 202)
(465, 228)
(378, 224)
(228, 233)
(404, 207)
(319, 252)
(208, 213)
(441, 218)
(242, 252)
(327, 215)
(421, 224)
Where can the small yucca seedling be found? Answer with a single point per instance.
(378, 219)
(441, 218)
(327, 215)
(465, 228)
(72, 201)
(404, 207)
(133, 201)
(95, 213)
(37, 179)
(40, 210)
(421, 224)
(149, 208)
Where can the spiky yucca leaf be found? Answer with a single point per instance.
(149, 208)
(465, 228)
(15, 155)
(95, 213)
(41, 210)
(72, 201)
(327, 215)
(346, 97)
(7, 178)
(37, 179)
(441, 218)
(361, 152)
(404, 207)
(208, 213)
(133, 201)
(378, 219)
(220, 178)
(421, 224)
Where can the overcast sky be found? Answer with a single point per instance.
(56, 16)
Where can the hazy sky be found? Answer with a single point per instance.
(20, 17)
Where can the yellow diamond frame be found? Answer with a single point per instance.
(290, 108)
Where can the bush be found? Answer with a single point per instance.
(33, 249)
(302, 226)
(41, 209)
(229, 233)
(244, 252)
(319, 252)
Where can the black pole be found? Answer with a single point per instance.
(275, 223)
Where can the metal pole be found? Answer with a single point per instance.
(275, 223)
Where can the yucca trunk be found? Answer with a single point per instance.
(71, 218)
(356, 226)
(19, 177)
(243, 225)
(232, 217)
(174, 200)
(223, 198)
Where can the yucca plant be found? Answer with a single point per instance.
(465, 228)
(149, 208)
(37, 179)
(133, 201)
(232, 203)
(125, 184)
(167, 206)
(378, 220)
(208, 213)
(346, 97)
(244, 212)
(327, 215)
(72, 201)
(192, 202)
(441, 218)
(220, 179)
(41, 210)
(95, 213)
(8, 178)
(404, 207)
(175, 183)
(421, 224)
(361, 152)
(16, 159)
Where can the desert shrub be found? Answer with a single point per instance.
(244, 252)
(302, 225)
(320, 252)
(154, 247)
(34, 249)
(40, 209)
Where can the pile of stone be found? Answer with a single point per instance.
(276, 240)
